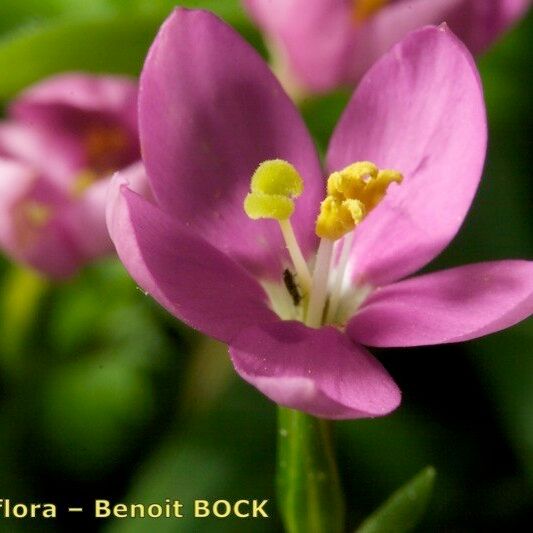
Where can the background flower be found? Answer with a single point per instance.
(318, 45)
(61, 142)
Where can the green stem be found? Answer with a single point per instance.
(23, 291)
(309, 492)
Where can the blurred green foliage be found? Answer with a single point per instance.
(403, 510)
(94, 375)
(42, 38)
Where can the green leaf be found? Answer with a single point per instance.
(30, 12)
(404, 509)
(97, 45)
(114, 41)
(16, 14)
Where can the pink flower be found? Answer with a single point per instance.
(318, 45)
(210, 113)
(62, 140)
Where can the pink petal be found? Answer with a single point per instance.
(60, 156)
(85, 218)
(86, 215)
(47, 248)
(51, 122)
(315, 38)
(190, 278)
(478, 24)
(16, 180)
(210, 112)
(318, 371)
(391, 24)
(109, 95)
(448, 306)
(324, 47)
(419, 110)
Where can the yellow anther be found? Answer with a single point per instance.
(351, 181)
(376, 189)
(352, 193)
(356, 209)
(277, 177)
(338, 217)
(364, 9)
(275, 206)
(274, 184)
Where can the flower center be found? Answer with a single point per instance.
(364, 9)
(31, 216)
(351, 194)
(106, 149)
(105, 146)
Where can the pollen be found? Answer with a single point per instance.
(351, 194)
(274, 206)
(273, 186)
(338, 217)
(364, 9)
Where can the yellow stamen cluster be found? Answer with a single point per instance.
(274, 185)
(364, 9)
(352, 194)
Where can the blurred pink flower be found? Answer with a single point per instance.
(61, 142)
(318, 45)
(210, 113)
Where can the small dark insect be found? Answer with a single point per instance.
(288, 279)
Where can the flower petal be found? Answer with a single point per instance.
(315, 39)
(85, 218)
(45, 245)
(448, 306)
(420, 111)
(89, 212)
(324, 46)
(59, 156)
(319, 371)
(478, 24)
(74, 122)
(186, 275)
(210, 112)
(391, 24)
(107, 95)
